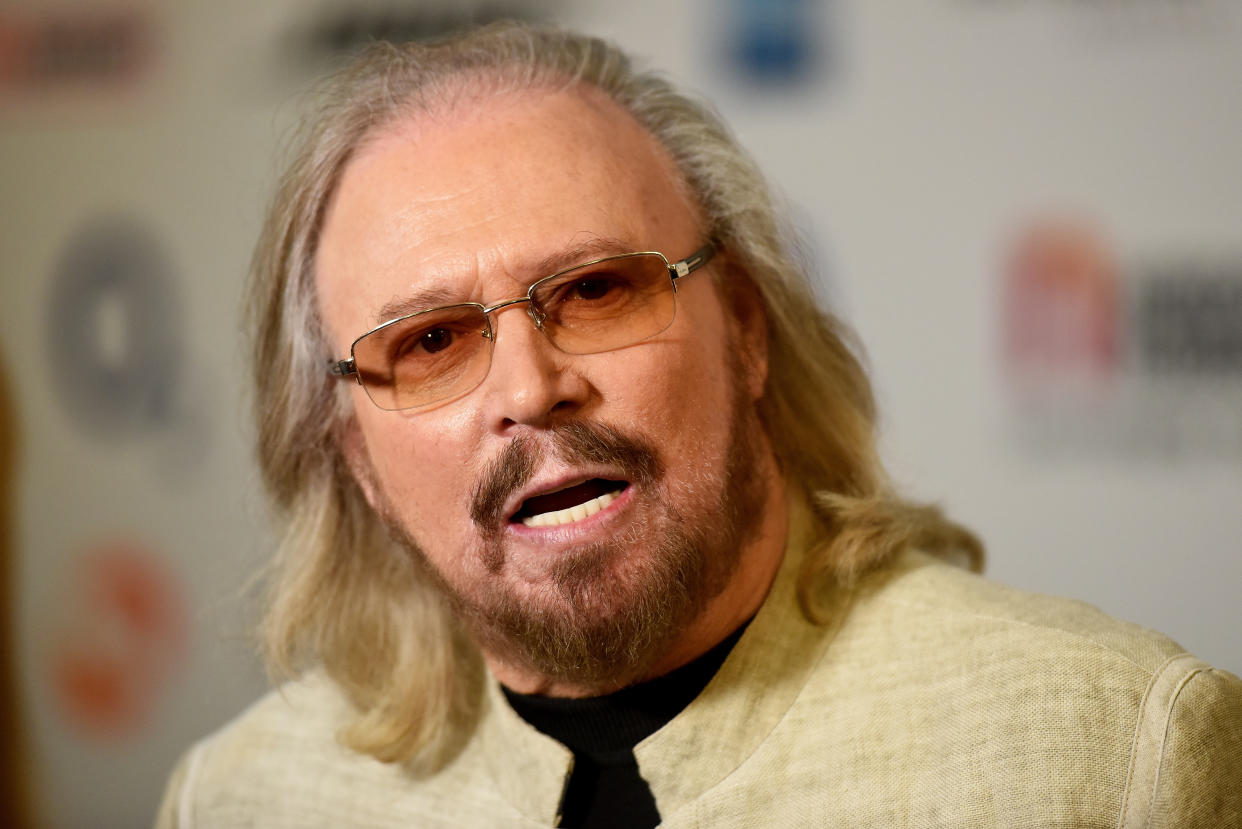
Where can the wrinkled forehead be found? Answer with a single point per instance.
(477, 138)
(478, 196)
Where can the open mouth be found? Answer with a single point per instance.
(568, 505)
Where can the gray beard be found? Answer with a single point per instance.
(607, 616)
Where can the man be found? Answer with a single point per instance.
(585, 524)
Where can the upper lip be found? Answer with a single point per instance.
(541, 485)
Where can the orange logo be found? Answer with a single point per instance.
(1062, 305)
(123, 634)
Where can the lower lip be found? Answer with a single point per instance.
(572, 530)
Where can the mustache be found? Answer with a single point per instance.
(573, 442)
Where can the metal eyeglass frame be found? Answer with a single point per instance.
(342, 369)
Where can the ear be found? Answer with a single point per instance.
(354, 449)
(750, 327)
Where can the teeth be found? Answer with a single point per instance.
(570, 514)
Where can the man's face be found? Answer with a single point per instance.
(474, 204)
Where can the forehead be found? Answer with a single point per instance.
(471, 202)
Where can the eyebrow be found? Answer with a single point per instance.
(434, 296)
(596, 247)
(420, 300)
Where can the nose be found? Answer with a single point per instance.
(531, 382)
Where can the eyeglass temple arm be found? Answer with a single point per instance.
(342, 368)
(694, 261)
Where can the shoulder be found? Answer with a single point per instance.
(951, 603)
(281, 750)
(280, 764)
(1036, 694)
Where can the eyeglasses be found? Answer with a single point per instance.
(434, 355)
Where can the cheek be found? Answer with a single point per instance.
(683, 399)
(423, 476)
(692, 379)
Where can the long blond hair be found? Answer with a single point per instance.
(343, 596)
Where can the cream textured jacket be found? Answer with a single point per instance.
(930, 697)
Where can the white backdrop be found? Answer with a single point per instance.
(917, 143)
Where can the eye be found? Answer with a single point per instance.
(437, 339)
(596, 287)
(428, 341)
(600, 291)
(603, 286)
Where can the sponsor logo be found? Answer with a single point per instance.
(1138, 358)
(120, 637)
(114, 338)
(343, 29)
(72, 51)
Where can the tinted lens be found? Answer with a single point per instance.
(424, 358)
(608, 304)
